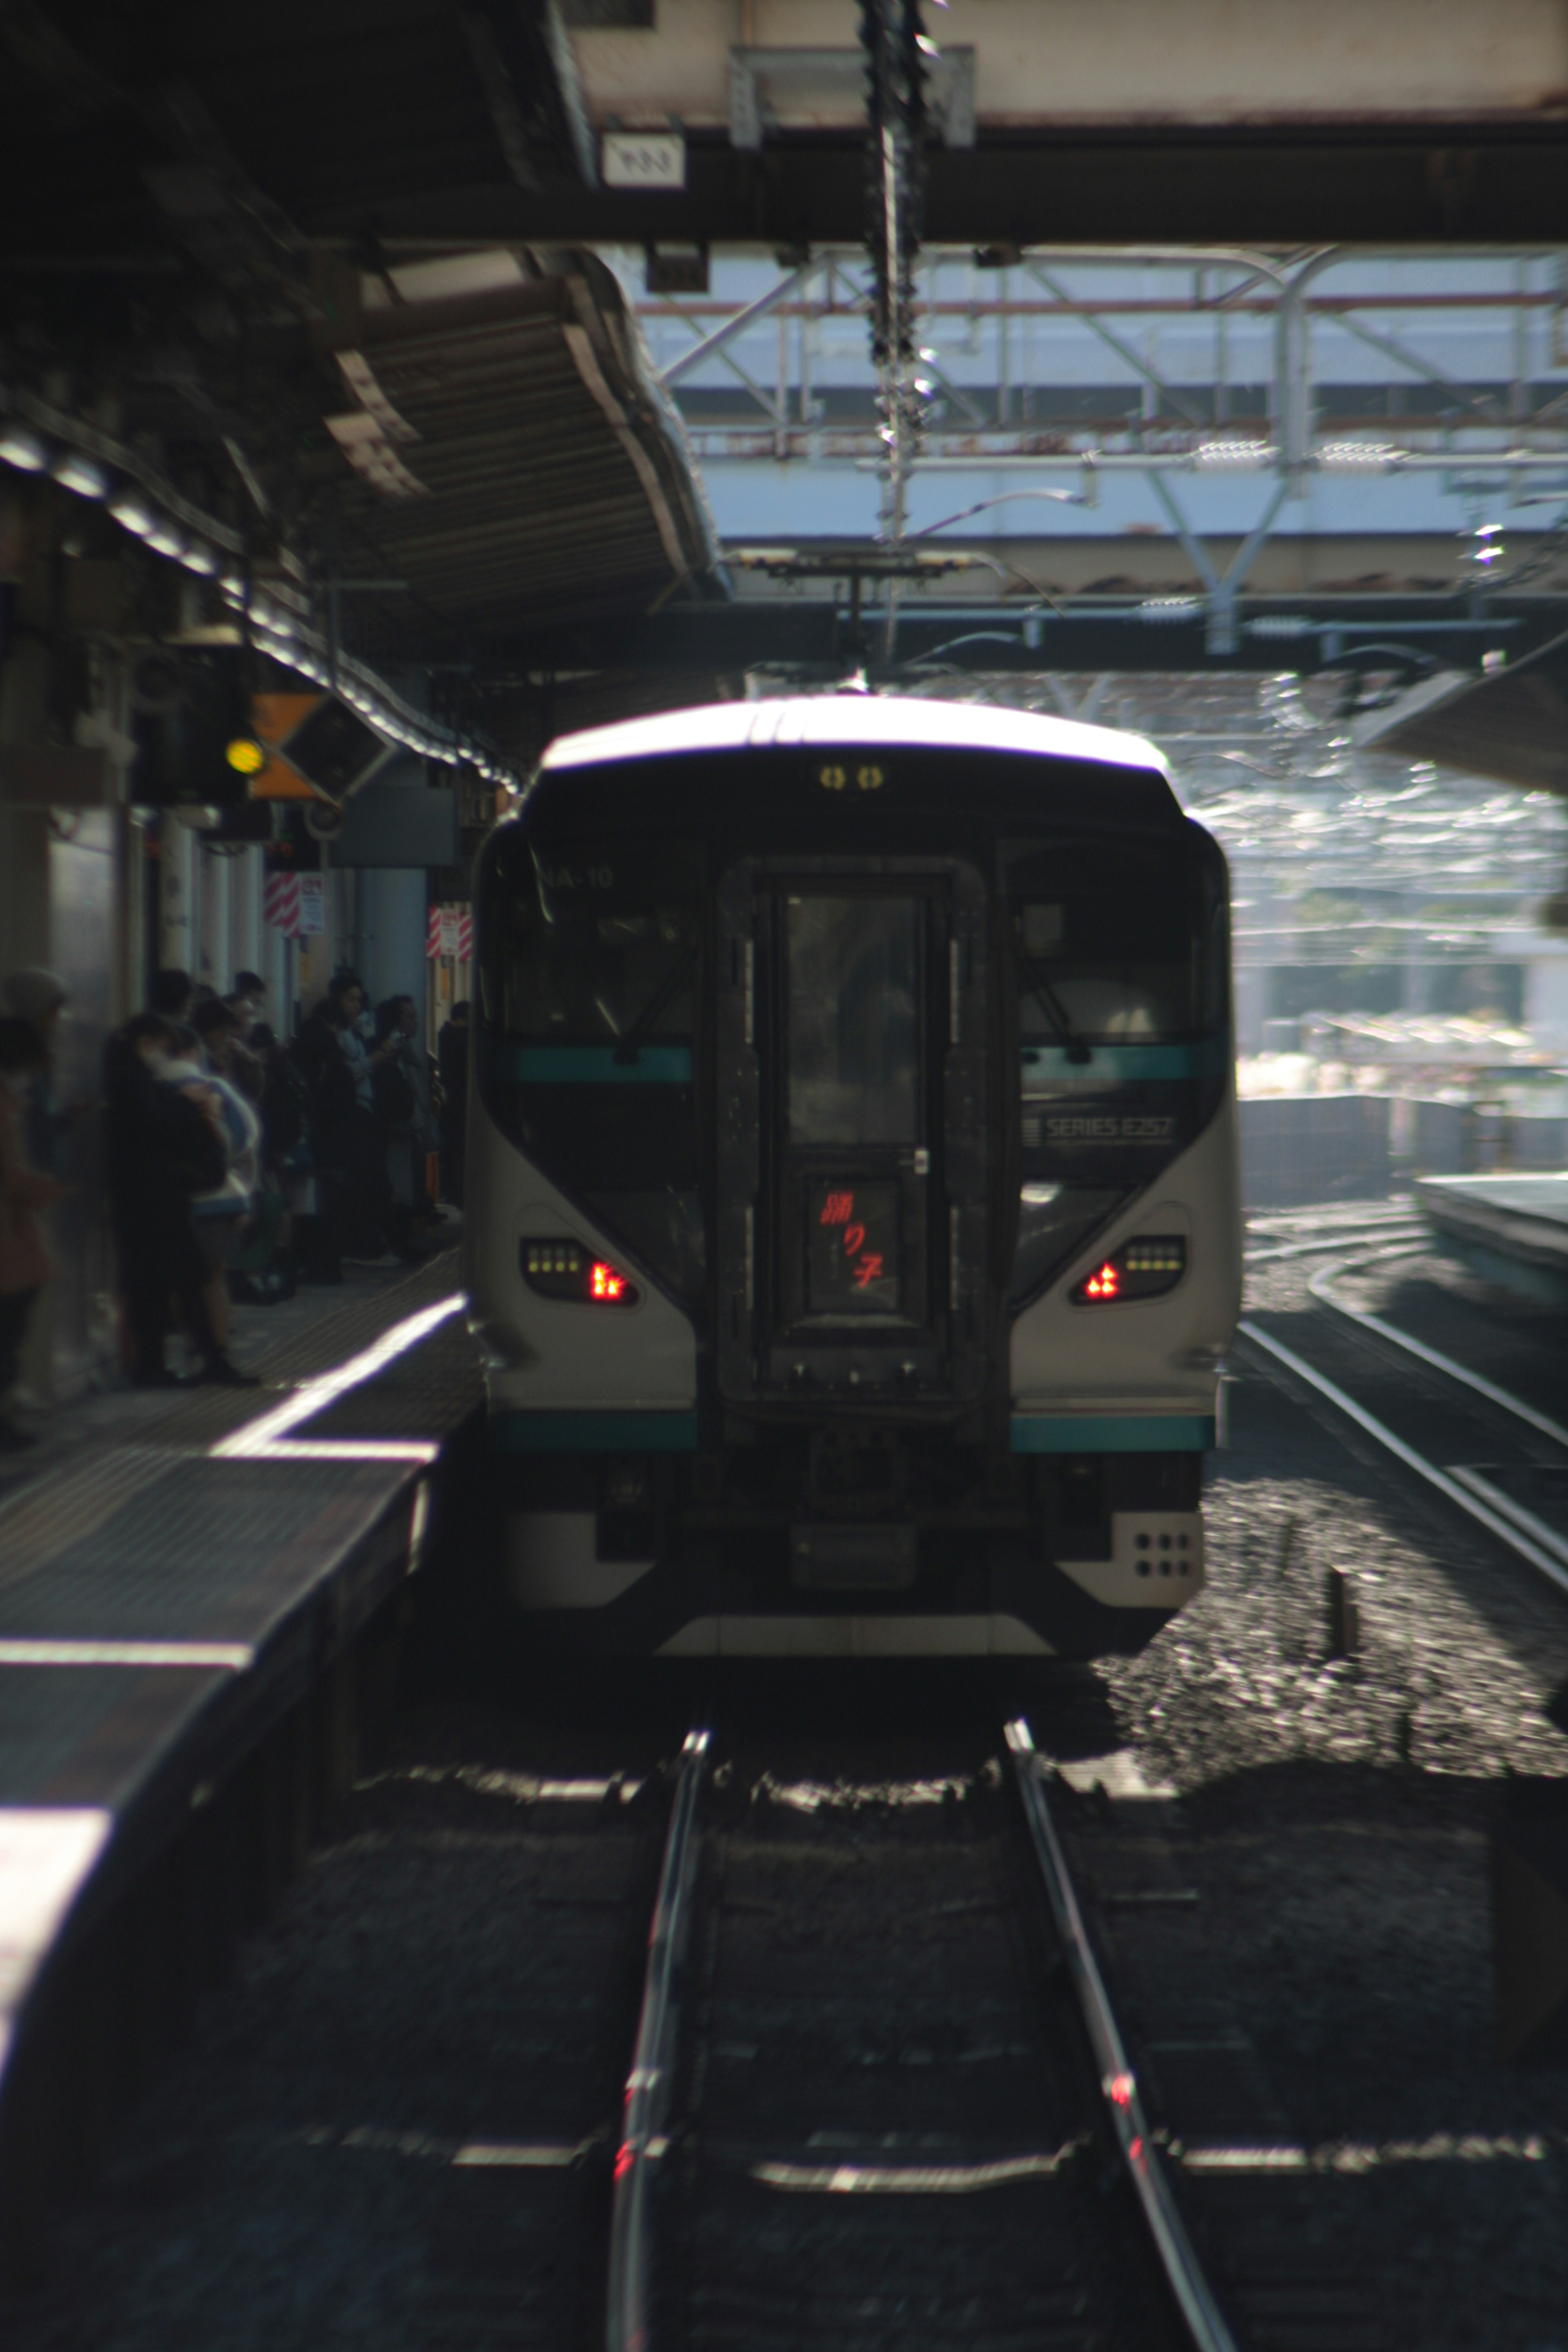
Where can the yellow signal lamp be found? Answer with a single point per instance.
(246, 754)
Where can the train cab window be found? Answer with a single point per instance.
(595, 948)
(853, 1021)
(1113, 952)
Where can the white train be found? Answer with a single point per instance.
(853, 1215)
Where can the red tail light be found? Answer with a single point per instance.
(565, 1270)
(1143, 1268)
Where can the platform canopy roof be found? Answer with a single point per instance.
(1510, 723)
(422, 448)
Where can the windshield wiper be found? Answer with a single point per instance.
(630, 1044)
(1050, 1004)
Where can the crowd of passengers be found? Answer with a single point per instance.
(235, 1166)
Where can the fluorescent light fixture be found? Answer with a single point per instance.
(165, 541)
(234, 1657)
(1168, 608)
(200, 559)
(131, 513)
(1352, 456)
(1280, 624)
(1235, 457)
(24, 450)
(80, 474)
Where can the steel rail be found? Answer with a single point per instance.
(643, 2142)
(1195, 2298)
(1494, 1522)
(1479, 1483)
(1321, 1287)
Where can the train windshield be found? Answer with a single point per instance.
(1112, 944)
(586, 947)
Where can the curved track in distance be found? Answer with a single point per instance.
(1495, 1457)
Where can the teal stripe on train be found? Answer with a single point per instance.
(596, 1066)
(1114, 1433)
(594, 1432)
(1047, 1066)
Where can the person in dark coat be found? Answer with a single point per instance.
(160, 1147)
(452, 1052)
(339, 1072)
(401, 1096)
(172, 994)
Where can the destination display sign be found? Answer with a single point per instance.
(852, 1248)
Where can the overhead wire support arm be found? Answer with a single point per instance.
(710, 344)
(1391, 347)
(1122, 347)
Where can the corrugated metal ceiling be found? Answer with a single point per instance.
(532, 469)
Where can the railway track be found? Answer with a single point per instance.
(880, 2093)
(1494, 1455)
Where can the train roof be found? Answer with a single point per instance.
(823, 721)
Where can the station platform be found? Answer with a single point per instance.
(180, 1585)
(1512, 1229)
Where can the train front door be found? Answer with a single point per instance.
(853, 1163)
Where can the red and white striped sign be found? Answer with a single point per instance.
(295, 904)
(451, 934)
(281, 904)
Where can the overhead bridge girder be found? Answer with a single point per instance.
(1291, 185)
(816, 637)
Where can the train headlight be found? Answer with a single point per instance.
(1138, 1269)
(564, 1269)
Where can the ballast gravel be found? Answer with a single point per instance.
(1334, 1815)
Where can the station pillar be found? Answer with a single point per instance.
(177, 896)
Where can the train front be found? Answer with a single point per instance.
(853, 1229)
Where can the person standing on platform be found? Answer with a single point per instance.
(340, 1074)
(403, 1117)
(38, 997)
(160, 1147)
(25, 1265)
(172, 994)
(452, 1049)
(222, 1216)
(252, 989)
(266, 1268)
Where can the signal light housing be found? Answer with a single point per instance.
(1143, 1268)
(565, 1270)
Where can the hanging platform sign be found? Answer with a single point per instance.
(451, 934)
(313, 905)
